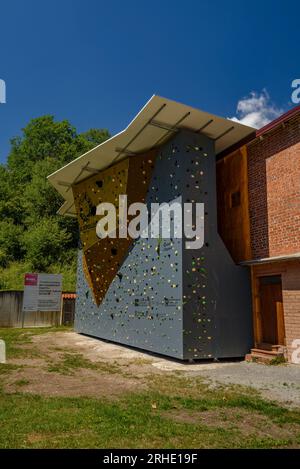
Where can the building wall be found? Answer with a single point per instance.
(233, 205)
(274, 191)
(290, 277)
(273, 213)
(184, 303)
(291, 305)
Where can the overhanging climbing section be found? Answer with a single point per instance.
(103, 258)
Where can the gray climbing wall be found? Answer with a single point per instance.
(184, 303)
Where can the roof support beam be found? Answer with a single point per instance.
(139, 132)
(64, 184)
(162, 125)
(172, 129)
(126, 152)
(204, 126)
(83, 168)
(224, 133)
(90, 170)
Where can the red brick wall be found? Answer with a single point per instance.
(291, 304)
(274, 191)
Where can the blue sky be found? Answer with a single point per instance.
(96, 63)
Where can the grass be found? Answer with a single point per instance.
(173, 412)
(70, 362)
(280, 360)
(15, 340)
(21, 382)
(133, 422)
(12, 276)
(8, 367)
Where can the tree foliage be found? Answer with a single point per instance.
(46, 243)
(30, 230)
(10, 242)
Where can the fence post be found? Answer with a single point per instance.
(2, 351)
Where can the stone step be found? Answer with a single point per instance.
(272, 353)
(265, 346)
(263, 356)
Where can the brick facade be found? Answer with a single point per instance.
(274, 210)
(274, 191)
(291, 304)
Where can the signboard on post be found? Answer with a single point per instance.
(42, 292)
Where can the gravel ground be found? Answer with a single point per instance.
(281, 383)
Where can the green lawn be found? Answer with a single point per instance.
(135, 421)
(15, 338)
(173, 412)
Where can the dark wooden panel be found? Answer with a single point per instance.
(68, 311)
(232, 199)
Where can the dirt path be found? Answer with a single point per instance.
(68, 364)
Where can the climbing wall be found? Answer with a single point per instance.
(154, 293)
(103, 258)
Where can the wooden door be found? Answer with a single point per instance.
(271, 310)
(68, 311)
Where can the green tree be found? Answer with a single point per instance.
(46, 243)
(93, 137)
(30, 229)
(40, 199)
(11, 237)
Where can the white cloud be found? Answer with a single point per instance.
(256, 110)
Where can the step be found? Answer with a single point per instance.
(263, 356)
(265, 346)
(278, 348)
(271, 353)
(258, 358)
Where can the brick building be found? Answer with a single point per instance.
(259, 220)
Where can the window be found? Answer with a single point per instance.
(235, 199)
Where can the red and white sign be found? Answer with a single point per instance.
(31, 279)
(42, 292)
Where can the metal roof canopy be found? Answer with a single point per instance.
(268, 260)
(156, 123)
